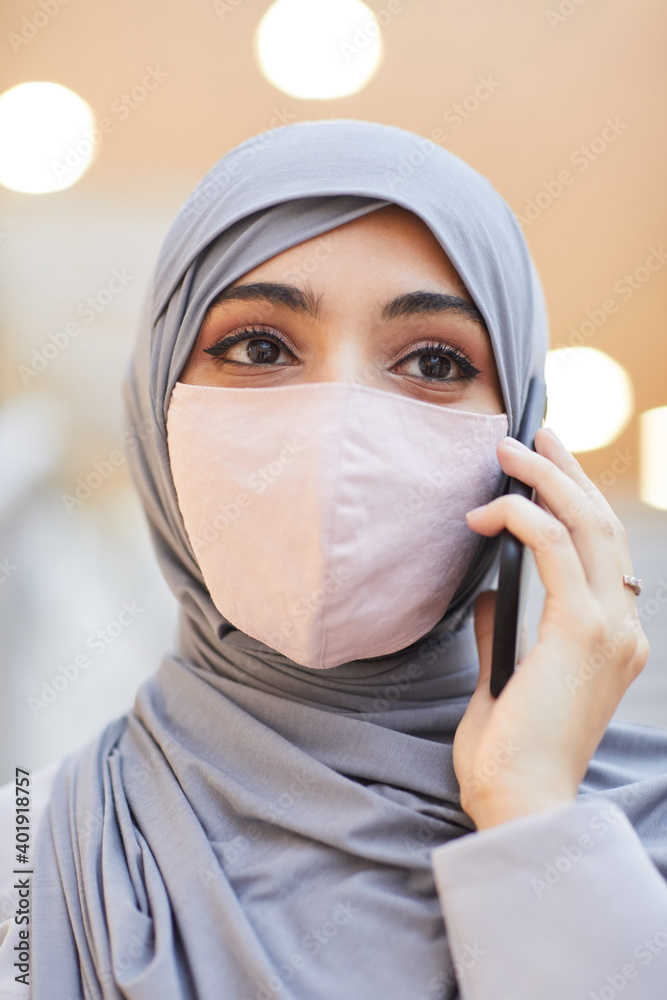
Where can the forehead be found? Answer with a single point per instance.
(383, 241)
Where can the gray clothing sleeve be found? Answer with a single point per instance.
(560, 904)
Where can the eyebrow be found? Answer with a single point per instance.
(303, 301)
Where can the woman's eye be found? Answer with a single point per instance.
(431, 366)
(439, 363)
(256, 351)
(242, 349)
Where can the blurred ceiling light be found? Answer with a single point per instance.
(590, 398)
(653, 457)
(319, 49)
(46, 137)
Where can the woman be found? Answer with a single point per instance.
(316, 796)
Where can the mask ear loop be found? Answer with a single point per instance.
(514, 567)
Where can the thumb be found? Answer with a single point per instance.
(485, 607)
(523, 641)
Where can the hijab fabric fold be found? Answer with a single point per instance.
(253, 828)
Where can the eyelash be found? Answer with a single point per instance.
(453, 352)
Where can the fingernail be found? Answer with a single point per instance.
(553, 434)
(513, 443)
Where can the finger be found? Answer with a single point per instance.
(550, 446)
(547, 443)
(556, 557)
(599, 539)
(522, 646)
(485, 607)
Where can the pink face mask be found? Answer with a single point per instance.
(328, 518)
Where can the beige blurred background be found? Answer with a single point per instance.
(555, 72)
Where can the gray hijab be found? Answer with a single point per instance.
(253, 828)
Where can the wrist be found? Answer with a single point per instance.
(486, 813)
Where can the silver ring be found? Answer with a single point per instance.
(632, 581)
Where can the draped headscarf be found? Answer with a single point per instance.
(255, 828)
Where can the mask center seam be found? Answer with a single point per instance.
(329, 549)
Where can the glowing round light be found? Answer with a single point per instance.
(653, 457)
(590, 398)
(46, 137)
(319, 48)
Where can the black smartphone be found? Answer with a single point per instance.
(513, 572)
